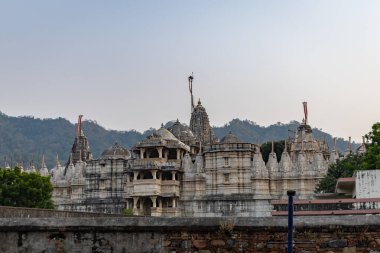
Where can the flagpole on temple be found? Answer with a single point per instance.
(305, 111)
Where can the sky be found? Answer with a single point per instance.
(125, 64)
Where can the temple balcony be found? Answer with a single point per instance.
(147, 187)
(170, 187)
(128, 190)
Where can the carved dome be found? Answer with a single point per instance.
(116, 151)
(182, 132)
(165, 134)
(230, 138)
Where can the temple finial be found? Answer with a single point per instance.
(272, 147)
(43, 164)
(79, 126)
(285, 147)
(305, 112)
(57, 161)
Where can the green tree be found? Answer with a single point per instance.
(371, 159)
(266, 148)
(347, 166)
(342, 168)
(25, 189)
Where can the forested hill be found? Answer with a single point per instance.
(27, 138)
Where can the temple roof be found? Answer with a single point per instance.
(116, 151)
(165, 134)
(182, 132)
(230, 138)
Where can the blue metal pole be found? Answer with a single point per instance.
(290, 193)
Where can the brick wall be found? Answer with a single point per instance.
(182, 235)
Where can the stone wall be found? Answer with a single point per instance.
(182, 235)
(22, 212)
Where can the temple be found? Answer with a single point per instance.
(186, 171)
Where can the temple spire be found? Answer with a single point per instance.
(57, 161)
(334, 143)
(191, 78)
(43, 164)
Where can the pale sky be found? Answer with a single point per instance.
(125, 63)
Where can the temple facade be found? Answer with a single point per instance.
(187, 171)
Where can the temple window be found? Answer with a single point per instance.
(226, 161)
(166, 175)
(172, 154)
(153, 153)
(167, 202)
(147, 175)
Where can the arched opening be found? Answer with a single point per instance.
(147, 205)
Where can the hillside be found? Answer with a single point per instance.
(27, 138)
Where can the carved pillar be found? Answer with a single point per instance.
(159, 149)
(142, 150)
(154, 174)
(178, 154)
(135, 175)
(154, 201)
(173, 175)
(174, 203)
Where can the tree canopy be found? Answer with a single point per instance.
(347, 166)
(266, 148)
(22, 189)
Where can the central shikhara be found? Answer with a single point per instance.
(185, 171)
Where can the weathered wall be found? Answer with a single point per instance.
(203, 235)
(367, 184)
